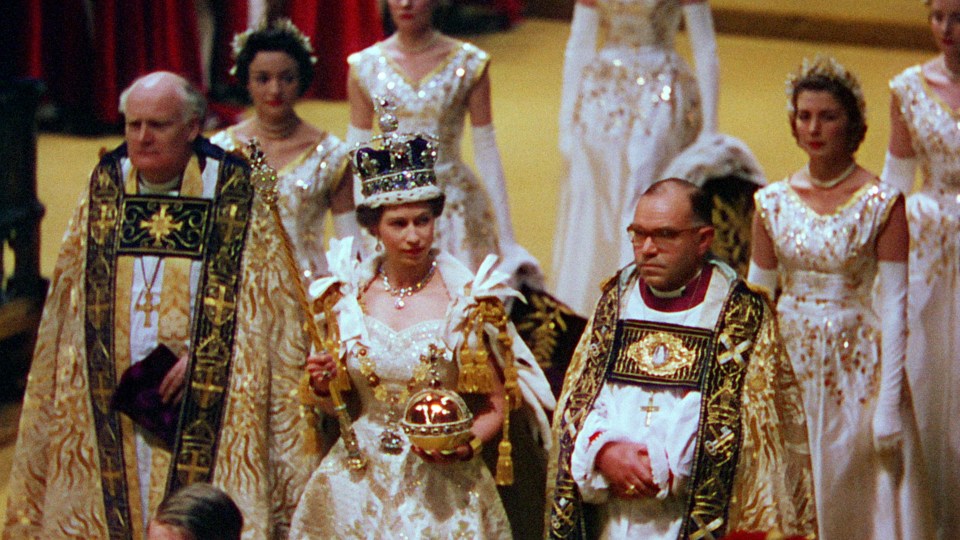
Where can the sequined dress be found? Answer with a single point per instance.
(637, 107)
(933, 347)
(827, 266)
(305, 186)
(397, 495)
(437, 104)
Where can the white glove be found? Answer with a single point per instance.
(892, 298)
(345, 224)
(761, 277)
(357, 136)
(899, 172)
(703, 41)
(581, 46)
(490, 168)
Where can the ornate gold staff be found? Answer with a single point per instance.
(264, 179)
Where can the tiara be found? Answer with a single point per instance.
(283, 25)
(396, 168)
(828, 68)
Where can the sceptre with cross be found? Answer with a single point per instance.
(265, 179)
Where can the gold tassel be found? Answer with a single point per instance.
(504, 475)
(308, 400)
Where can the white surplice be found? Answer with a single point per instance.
(618, 415)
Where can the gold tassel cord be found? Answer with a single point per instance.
(265, 182)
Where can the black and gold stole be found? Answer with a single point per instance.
(211, 231)
(637, 352)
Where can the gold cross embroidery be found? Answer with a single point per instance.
(102, 390)
(221, 308)
(161, 225)
(194, 471)
(104, 224)
(231, 223)
(98, 309)
(206, 386)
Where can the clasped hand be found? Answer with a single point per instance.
(626, 466)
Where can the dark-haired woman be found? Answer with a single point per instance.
(274, 63)
(408, 315)
(827, 233)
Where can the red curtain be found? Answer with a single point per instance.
(337, 28)
(135, 37)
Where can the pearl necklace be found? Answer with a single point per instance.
(402, 292)
(829, 183)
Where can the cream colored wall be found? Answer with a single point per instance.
(884, 10)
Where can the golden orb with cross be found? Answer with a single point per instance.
(436, 418)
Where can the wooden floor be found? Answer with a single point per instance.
(526, 73)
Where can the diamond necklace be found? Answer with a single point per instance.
(403, 292)
(830, 182)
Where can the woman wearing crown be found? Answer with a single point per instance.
(924, 130)
(407, 317)
(827, 233)
(436, 81)
(274, 63)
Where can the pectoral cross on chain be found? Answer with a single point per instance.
(147, 307)
(649, 408)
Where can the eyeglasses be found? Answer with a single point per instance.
(660, 237)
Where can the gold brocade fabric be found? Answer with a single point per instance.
(305, 185)
(55, 488)
(772, 485)
(933, 345)
(437, 104)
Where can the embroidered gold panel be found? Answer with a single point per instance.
(164, 226)
(662, 354)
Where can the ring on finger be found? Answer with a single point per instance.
(631, 490)
(325, 374)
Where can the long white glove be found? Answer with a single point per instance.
(899, 172)
(892, 297)
(703, 41)
(490, 169)
(761, 277)
(345, 224)
(581, 46)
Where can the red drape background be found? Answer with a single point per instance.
(86, 53)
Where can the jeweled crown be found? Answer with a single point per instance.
(828, 68)
(395, 168)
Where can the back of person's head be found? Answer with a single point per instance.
(197, 512)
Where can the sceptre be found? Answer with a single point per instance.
(264, 178)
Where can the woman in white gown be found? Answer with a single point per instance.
(925, 131)
(393, 309)
(435, 81)
(626, 110)
(274, 63)
(829, 232)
